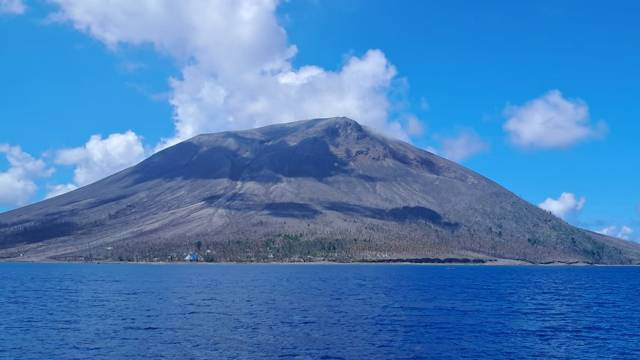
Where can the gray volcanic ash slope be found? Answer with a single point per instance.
(325, 189)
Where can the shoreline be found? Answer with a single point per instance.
(497, 263)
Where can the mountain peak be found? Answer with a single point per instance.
(321, 189)
(329, 127)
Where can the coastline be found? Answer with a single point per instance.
(497, 263)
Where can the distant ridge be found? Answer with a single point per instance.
(315, 190)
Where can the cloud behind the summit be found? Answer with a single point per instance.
(236, 65)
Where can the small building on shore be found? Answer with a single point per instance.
(192, 257)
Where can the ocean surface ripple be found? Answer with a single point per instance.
(134, 311)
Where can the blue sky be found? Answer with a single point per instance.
(540, 97)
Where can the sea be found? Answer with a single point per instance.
(317, 311)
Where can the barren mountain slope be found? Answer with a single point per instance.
(324, 189)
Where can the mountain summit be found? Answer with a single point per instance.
(323, 189)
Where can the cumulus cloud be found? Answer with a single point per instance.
(100, 157)
(237, 67)
(414, 126)
(17, 184)
(462, 146)
(55, 190)
(550, 121)
(12, 7)
(622, 232)
(566, 204)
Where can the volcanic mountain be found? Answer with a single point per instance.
(323, 189)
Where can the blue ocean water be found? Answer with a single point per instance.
(130, 311)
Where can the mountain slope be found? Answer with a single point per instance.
(324, 189)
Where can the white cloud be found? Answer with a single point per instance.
(12, 7)
(566, 204)
(625, 232)
(100, 157)
(462, 146)
(433, 150)
(204, 104)
(17, 184)
(236, 65)
(550, 121)
(55, 190)
(414, 126)
(622, 232)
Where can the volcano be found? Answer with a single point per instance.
(314, 190)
